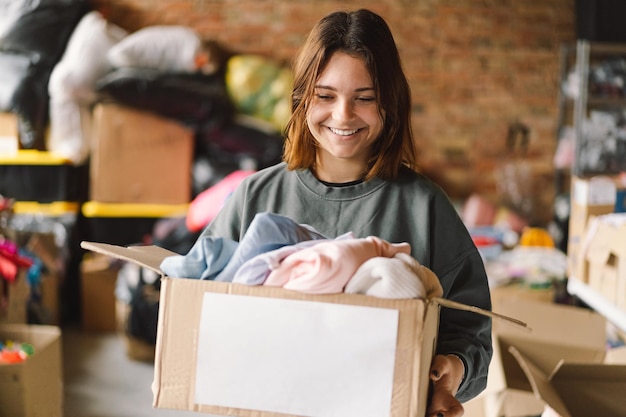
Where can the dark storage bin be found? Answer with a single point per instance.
(40, 176)
(125, 224)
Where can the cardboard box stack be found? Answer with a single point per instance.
(596, 257)
(140, 173)
(589, 197)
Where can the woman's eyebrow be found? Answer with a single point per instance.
(358, 90)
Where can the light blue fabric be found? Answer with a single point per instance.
(267, 232)
(217, 258)
(207, 257)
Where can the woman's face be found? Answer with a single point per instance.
(343, 115)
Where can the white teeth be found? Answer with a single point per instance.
(343, 132)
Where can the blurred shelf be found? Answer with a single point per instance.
(596, 301)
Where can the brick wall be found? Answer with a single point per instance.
(474, 66)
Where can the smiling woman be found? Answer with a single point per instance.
(349, 167)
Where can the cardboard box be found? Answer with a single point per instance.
(98, 276)
(589, 197)
(517, 290)
(232, 349)
(15, 304)
(139, 157)
(44, 246)
(33, 388)
(605, 253)
(564, 353)
(578, 389)
(507, 403)
(9, 135)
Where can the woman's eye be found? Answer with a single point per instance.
(366, 99)
(324, 97)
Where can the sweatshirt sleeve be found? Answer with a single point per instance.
(459, 266)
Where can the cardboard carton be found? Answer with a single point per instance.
(232, 349)
(500, 400)
(589, 197)
(14, 307)
(605, 253)
(9, 136)
(577, 389)
(564, 354)
(139, 157)
(507, 403)
(33, 388)
(98, 276)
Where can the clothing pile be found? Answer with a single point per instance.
(276, 251)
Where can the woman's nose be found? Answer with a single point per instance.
(344, 110)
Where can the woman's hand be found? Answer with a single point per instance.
(446, 375)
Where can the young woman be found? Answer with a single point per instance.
(350, 166)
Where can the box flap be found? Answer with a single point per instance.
(592, 389)
(473, 309)
(578, 390)
(554, 323)
(540, 383)
(558, 332)
(147, 256)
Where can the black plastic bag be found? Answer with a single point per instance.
(39, 29)
(33, 32)
(142, 319)
(192, 99)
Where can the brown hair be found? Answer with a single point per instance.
(363, 34)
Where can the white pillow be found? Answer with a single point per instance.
(84, 60)
(165, 48)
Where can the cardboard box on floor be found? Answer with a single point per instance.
(98, 276)
(255, 351)
(561, 361)
(33, 388)
(499, 400)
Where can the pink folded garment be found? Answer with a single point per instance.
(325, 268)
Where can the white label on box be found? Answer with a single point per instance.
(597, 191)
(8, 145)
(295, 357)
